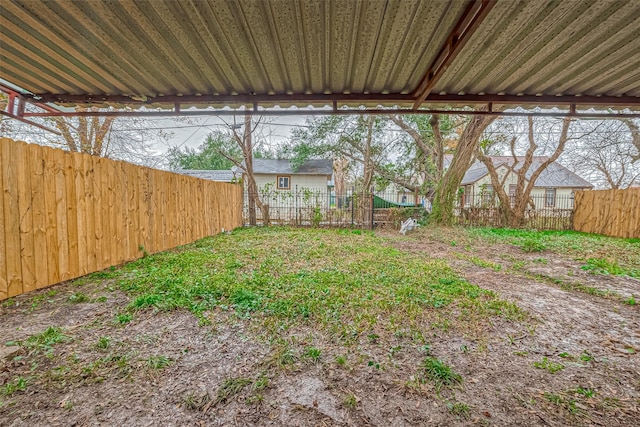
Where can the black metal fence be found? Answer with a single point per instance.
(545, 210)
(301, 207)
(352, 208)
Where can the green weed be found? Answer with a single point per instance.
(459, 409)
(533, 245)
(568, 404)
(312, 353)
(16, 384)
(103, 343)
(350, 401)
(587, 357)
(124, 318)
(44, 341)
(158, 362)
(549, 365)
(586, 392)
(439, 373)
(231, 387)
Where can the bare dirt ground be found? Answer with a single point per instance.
(166, 369)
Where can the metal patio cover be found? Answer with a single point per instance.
(340, 52)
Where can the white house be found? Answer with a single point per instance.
(554, 188)
(293, 195)
(313, 175)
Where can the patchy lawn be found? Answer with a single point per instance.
(335, 327)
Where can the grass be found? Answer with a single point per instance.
(478, 261)
(312, 353)
(350, 401)
(103, 343)
(566, 403)
(549, 365)
(42, 342)
(231, 387)
(16, 384)
(533, 245)
(158, 362)
(459, 409)
(439, 373)
(344, 282)
(601, 254)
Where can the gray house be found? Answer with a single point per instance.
(212, 175)
(313, 175)
(553, 189)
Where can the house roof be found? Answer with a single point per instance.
(554, 176)
(291, 52)
(310, 167)
(212, 175)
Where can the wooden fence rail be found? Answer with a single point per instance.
(64, 215)
(610, 212)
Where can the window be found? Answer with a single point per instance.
(550, 197)
(284, 182)
(512, 194)
(487, 194)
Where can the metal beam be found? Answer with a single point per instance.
(334, 99)
(350, 111)
(471, 18)
(29, 122)
(530, 100)
(221, 99)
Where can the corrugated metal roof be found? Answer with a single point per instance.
(309, 167)
(150, 48)
(146, 49)
(566, 47)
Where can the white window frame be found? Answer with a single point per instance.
(547, 194)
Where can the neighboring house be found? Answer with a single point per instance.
(293, 196)
(312, 175)
(554, 188)
(212, 175)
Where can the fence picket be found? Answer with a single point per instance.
(12, 219)
(610, 212)
(64, 214)
(39, 216)
(3, 250)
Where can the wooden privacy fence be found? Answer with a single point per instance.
(64, 215)
(610, 212)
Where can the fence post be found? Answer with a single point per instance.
(352, 209)
(372, 208)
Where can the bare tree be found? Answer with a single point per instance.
(244, 141)
(132, 139)
(513, 211)
(608, 153)
(85, 134)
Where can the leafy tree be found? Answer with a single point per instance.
(208, 155)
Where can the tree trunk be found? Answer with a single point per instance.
(252, 187)
(447, 191)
